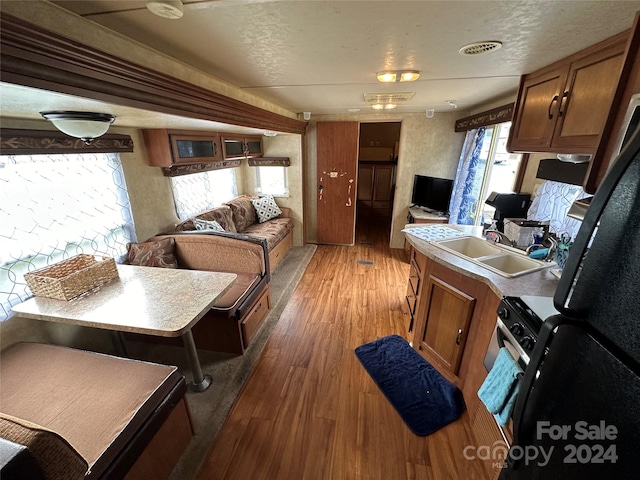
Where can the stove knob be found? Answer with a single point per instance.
(503, 313)
(527, 343)
(517, 329)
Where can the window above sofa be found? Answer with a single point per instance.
(201, 191)
(271, 180)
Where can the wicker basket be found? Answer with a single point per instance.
(70, 278)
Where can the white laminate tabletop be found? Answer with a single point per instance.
(155, 301)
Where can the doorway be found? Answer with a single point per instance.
(377, 166)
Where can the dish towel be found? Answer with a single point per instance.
(501, 387)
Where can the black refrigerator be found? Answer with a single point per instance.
(577, 415)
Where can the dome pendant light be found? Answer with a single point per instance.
(84, 125)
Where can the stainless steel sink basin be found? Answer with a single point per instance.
(506, 261)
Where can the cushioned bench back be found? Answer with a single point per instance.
(217, 253)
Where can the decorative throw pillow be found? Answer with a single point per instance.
(266, 208)
(153, 254)
(244, 215)
(207, 225)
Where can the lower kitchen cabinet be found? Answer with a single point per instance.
(446, 317)
(454, 318)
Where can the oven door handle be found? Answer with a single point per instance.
(501, 337)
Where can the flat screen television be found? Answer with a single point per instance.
(431, 193)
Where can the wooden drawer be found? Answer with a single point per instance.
(280, 250)
(418, 260)
(256, 315)
(414, 278)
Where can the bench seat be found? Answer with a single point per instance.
(107, 408)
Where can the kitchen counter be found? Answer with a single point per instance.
(542, 282)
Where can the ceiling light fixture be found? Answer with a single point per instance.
(383, 106)
(270, 133)
(391, 76)
(84, 125)
(172, 9)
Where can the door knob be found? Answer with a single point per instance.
(458, 336)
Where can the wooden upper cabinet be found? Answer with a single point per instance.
(563, 107)
(174, 147)
(241, 146)
(628, 86)
(536, 110)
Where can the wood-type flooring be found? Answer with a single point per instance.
(309, 409)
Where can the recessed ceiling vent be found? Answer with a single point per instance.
(479, 48)
(388, 97)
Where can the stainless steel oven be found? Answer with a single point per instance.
(517, 326)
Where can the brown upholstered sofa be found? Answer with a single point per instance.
(239, 216)
(70, 414)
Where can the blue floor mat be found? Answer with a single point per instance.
(425, 400)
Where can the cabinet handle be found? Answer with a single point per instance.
(562, 102)
(553, 100)
(458, 336)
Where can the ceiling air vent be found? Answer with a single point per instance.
(479, 48)
(388, 97)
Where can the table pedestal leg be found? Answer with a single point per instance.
(200, 382)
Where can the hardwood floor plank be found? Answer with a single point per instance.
(309, 409)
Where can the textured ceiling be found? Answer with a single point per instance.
(322, 56)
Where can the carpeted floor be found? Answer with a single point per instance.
(209, 409)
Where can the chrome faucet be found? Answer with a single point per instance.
(502, 238)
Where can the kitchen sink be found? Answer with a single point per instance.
(473, 247)
(501, 259)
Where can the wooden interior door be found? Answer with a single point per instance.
(337, 176)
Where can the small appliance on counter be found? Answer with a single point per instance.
(513, 205)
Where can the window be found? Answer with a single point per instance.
(272, 180)
(502, 168)
(53, 207)
(201, 191)
(485, 166)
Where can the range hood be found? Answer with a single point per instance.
(579, 208)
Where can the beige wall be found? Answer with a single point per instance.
(429, 146)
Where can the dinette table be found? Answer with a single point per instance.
(163, 302)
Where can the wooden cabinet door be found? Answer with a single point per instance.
(383, 183)
(365, 183)
(536, 111)
(191, 149)
(587, 98)
(253, 146)
(337, 174)
(448, 316)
